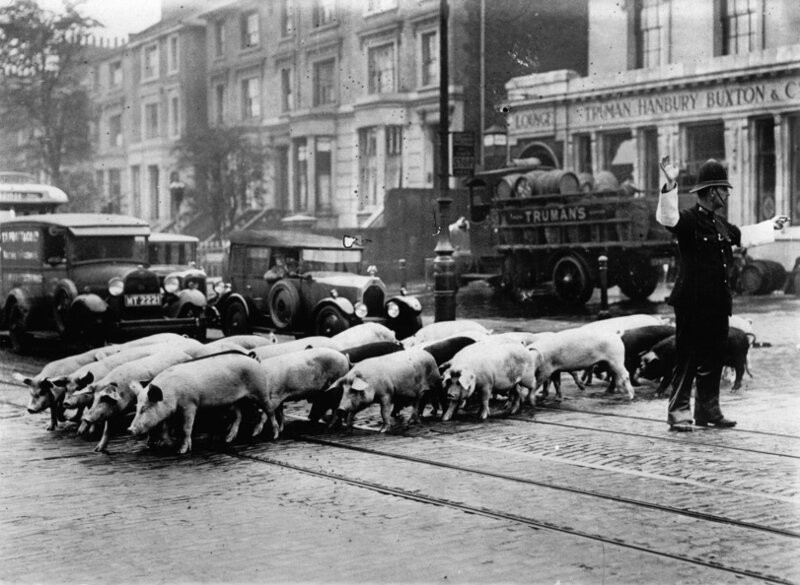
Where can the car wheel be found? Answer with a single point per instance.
(330, 321)
(20, 339)
(194, 312)
(284, 304)
(234, 320)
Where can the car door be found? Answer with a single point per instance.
(255, 286)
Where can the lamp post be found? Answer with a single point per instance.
(444, 273)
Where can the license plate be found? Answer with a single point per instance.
(142, 300)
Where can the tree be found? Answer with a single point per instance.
(228, 166)
(42, 65)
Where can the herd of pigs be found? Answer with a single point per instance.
(164, 380)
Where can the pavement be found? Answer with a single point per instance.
(268, 512)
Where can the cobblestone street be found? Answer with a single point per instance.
(594, 490)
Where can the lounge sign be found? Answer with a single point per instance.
(731, 97)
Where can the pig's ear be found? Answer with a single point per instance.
(335, 386)
(60, 381)
(109, 396)
(154, 393)
(135, 386)
(272, 338)
(253, 355)
(468, 381)
(45, 384)
(359, 384)
(86, 380)
(22, 379)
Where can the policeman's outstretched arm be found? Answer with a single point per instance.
(667, 210)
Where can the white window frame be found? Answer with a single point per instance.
(247, 19)
(148, 74)
(323, 13)
(421, 35)
(315, 94)
(146, 121)
(219, 102)
(220, 35)
(288, 17)
(174, 114)
(287, 83)
(173, 57)
(371, 50)
(378, 6)
(251, 104)
(114, 140)
(113, 68)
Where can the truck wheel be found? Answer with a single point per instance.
(638, 278)
(284, 304)
(571, 280)
(234, 320)
(20, 339)
(330, 321)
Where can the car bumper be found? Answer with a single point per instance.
(150, 326)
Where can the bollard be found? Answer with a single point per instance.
(401, 264)
(602, 262)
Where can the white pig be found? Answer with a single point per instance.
(183, 389)
(444, 329)
(269, 351)
(620, 325)
(364, 333)
(393, 381)
(487, 367)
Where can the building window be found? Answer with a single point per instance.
(323, 79)
(249, 26)
(583, 153)
(152, 181)
(150, 62)
(323, 165)
(652, 173)
(430, 58)
(381, 64)
(738, 26)
(282, 179)
(653, 17)
(174, 116)
(300, 175)
(219, 103)
(380, 5)
(172, 54)
(115, 74)
(219, 38)
(251, 98)
(287, 18)
(114, 190)
(286, 90)
(136, 190)
(115, 130)
(703, 141)
(764, 136)
(151, 129)
(323, 13)
(619, 154)
(367, 166)
(394, 157)
(793, 123)
(98, 182)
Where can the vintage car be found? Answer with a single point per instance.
(81, 276)
(174, 258)
(301, 283)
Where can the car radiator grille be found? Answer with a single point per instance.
(373, 299)
(142, 284)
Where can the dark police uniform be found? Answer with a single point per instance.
(702, 299)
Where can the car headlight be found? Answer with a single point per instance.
(172, 284)
(220, 287)
(116, 287)
(361, 310)
(393, 310)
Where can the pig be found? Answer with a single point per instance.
(443, 329)
(363, 334)
(112, 397)
(578, 349)
(659, 362)
(301, 375)
(268, 351)
(245, 341)
(523, 337)
(43, 394)
(637, 342)
(156, 338)
(393, 381)
(484, 368)
(620, 325)
(368, 350)
(443, 350)
(182, 389)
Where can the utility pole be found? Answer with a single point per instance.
(444, 274)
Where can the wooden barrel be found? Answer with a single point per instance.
(760, 277)
(606, 181)
(586, 182)
(555, 181)
(506, 185)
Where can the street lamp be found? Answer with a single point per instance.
(444, 272)
(495, 142)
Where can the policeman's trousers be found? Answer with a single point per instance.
(700, 339)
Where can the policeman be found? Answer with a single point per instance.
(702, 297)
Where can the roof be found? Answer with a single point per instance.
(159, 237)
(84, 224)
(287, 239)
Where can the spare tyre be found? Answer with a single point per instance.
(284, 304)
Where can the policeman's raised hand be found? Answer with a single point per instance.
(779, 221)
(670, 171)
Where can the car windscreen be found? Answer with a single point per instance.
(171, 253)
(332, 260)
(92, 248)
